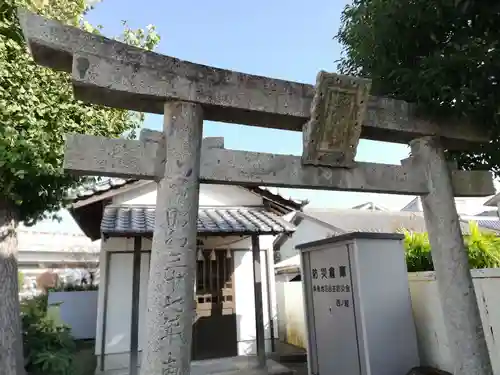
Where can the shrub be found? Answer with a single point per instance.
(20, 280)
(418, 252)
(73, 287)
(483, 249)
(48, 345)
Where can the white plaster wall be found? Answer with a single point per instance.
(120, 295)
(280, 281)
(245, 304)
(292, 322)
(120, 292)
(307, 231)
(210, 195)
(429, 319)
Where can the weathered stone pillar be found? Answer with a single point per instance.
(456, 289)
(173, 258)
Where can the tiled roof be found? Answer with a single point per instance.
(350, 220)
(91, 189)
(489, 213)
(128, 219)
(490, 224)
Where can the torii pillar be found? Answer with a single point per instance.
(457, 294)
(170, 301)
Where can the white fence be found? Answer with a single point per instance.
(78, 310)
(432, 340)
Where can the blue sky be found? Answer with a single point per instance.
(290, 40)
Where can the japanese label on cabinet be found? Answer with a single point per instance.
(333, 279)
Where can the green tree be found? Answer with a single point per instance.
(36, 109)
(444, 55)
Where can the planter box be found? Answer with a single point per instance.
(78, 310)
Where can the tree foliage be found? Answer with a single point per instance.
(482, 247)
(48, 345)
(444, 55)
(37, 108)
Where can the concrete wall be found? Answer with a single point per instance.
(210, 195)
(291, 313)
(431, 334)
(307, 231)
(78, 310)
(429, 320)
(119, 304)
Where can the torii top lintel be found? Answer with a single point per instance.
(114, 74)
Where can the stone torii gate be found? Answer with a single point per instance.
(333, 115)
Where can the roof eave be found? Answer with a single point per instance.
(282, 237)
(199, 234)
(493, 201)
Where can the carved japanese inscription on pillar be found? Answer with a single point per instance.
(332, 134)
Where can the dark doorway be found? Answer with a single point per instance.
(214, 330)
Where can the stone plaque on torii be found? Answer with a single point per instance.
(333, 115)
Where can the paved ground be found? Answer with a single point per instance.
(297, 367)
(292, 357)
(85, 361)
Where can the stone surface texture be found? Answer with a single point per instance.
(456, 290)
(427, 371)
(99, 156)
(170, 301)
(140, 159)
(111, 73)
(94, 156)
(331, 136)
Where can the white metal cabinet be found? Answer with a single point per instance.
(358, 306)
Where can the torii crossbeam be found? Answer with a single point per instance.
(333, 115)
(99, 156)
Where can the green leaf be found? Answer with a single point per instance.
(483, 248)
(442, 55)
(37, 108)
